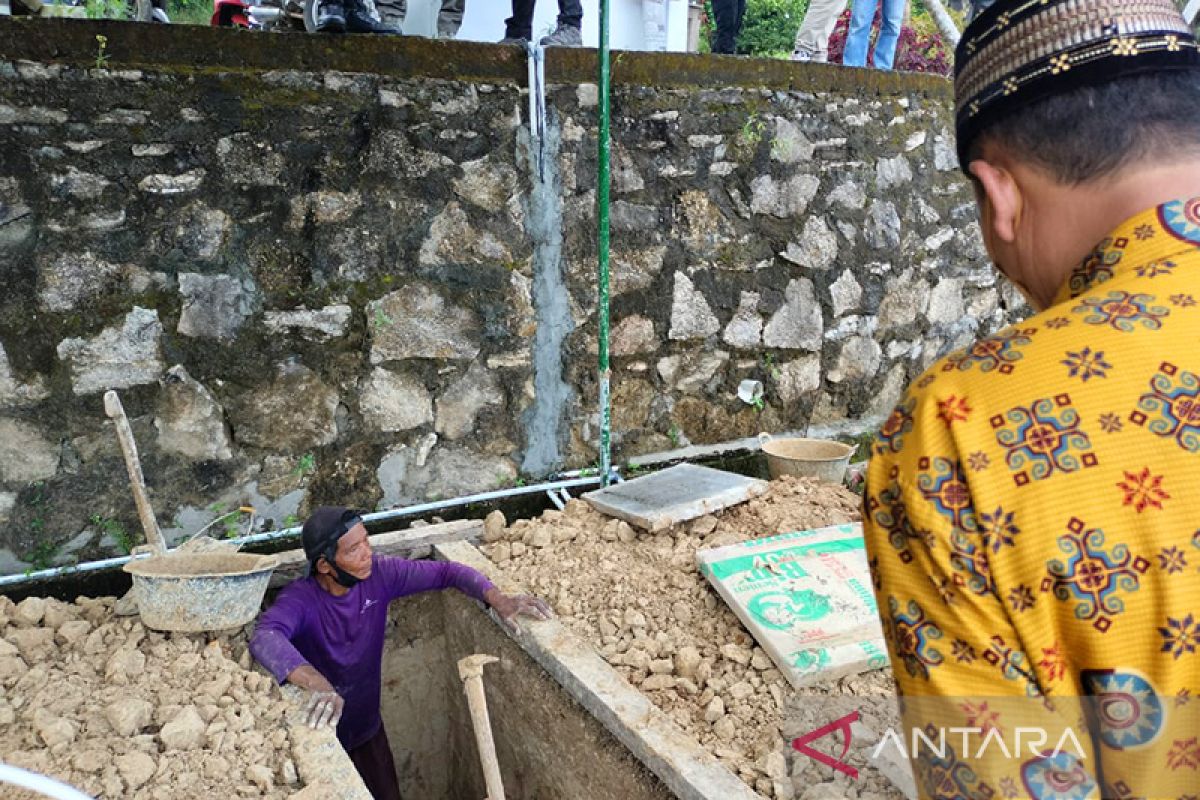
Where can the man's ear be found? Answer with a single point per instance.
(1000, 210)
(323, 566)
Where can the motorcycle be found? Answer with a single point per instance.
(265, 15)
(271, 15)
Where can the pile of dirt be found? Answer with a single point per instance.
(641, 600)
(120, 711)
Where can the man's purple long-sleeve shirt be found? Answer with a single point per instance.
(342, 637)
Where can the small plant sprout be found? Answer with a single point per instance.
(675, 435)
(771, 367)
(102, 45)
(113, 528)
(305, 466)
(381, 319)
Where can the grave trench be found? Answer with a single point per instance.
(548, 745)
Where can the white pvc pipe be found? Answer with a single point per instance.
(40, 783)
(288, 533)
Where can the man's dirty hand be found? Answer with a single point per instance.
(323, 708)
(509, 607)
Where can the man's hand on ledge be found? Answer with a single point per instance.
(509, 607)
(324, 705)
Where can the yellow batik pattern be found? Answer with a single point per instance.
(1032, 519)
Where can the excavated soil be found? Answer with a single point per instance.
(120, 711)
(641, 601)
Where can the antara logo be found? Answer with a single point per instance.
(800, 744)
(934, 740)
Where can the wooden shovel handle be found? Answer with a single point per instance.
(116, 412)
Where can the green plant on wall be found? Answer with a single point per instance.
(39, 502)
(305, 466)
(752, 131)
(228, 522)
(743, 148)
(113, 528)
(770, 366)
(381, 319)
(41, 556)
(675, 435)
(632, 471)
(101, 46)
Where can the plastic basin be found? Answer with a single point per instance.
(806, 458)
(196, 592)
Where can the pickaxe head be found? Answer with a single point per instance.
(472, 666)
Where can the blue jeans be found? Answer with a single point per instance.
(859, 37)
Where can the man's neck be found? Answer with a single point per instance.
(1142, 187)
(326, 582)
(1091, 211)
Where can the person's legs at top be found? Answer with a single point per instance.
(519, 27)
(725, 38)
(449, 19)
(812, 40)
(331, 16)
(862, 14)
(889, 33)
(392, 12)
(568, 32)
(360, 19)
(375, 765)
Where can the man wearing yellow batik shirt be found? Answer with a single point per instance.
(1032, 507)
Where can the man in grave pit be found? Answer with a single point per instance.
(325, 632)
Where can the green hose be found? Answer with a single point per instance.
(602, 240)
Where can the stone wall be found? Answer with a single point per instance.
(331, 270)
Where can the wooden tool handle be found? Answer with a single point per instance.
(116, 412)
(470, 669)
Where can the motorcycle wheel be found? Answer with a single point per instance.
(310, 16)
(142, 10)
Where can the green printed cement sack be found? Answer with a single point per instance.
(807, 599)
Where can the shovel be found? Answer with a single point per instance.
(116, 412)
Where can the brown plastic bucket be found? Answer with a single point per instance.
(806, 458)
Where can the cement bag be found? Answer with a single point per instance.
(806, 598)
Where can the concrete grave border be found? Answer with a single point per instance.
(326, 769)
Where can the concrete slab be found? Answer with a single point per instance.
(679, 761)
(683, 492)
(806, 598)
